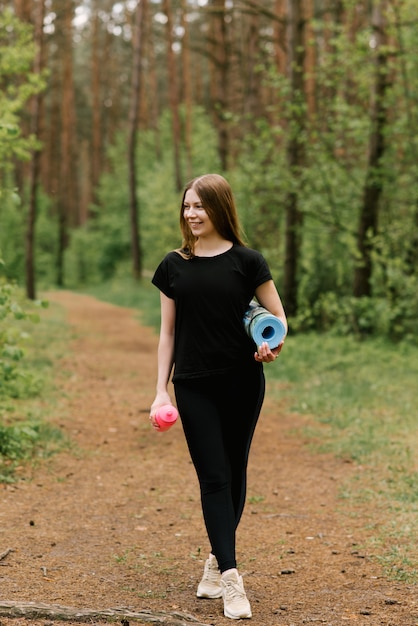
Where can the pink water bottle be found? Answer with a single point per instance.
(166, 416)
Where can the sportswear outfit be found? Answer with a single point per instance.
(219, 387)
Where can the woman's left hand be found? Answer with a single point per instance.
(265, 355)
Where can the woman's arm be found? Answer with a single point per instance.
(267, 295)
(165, 353)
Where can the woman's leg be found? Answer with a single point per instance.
(219, 417)
(198, 407)
(240, 411)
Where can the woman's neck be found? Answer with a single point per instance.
(211, 246)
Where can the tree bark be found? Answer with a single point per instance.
(369, 212)
(67, 206)
(39, 610)
(152, 86)
(295, 151)
(220, 55)
(132, 142)
(279, 37)
(35, 161)
(96, 140)
(187, 90)
(173, 95)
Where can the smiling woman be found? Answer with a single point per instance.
(201, 226)
(205, 288)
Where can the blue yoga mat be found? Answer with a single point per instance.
(261, 325)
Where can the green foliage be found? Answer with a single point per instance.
(15, 382)
(12, 234)
(12, 238)
(102, 248)
(259, 182)
(329, 188)
(24, 442)
(24, 362)
(19, 84)
(17, 51)
(362, 317)
(46, 241)
(334, 134)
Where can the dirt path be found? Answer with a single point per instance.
(117, 522)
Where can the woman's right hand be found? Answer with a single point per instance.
(161, 399)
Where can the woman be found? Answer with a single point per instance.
(205, 289)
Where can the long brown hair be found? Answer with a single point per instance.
(218, 201)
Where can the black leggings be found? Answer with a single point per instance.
(219, 415)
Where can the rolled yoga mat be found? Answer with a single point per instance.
(261, 325)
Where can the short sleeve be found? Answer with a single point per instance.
(262, 272)
(161, 278)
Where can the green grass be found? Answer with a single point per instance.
(360, 403)
(363, 395)
(364, 399)
(26, 433)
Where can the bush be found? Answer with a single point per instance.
(360, 317)
(15, 382)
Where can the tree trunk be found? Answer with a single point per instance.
(252, 104)
(279, 37)
(187, 90)
(96, 139)
(220, 56)
(295, 151)
(152, 86)
(40, 610)
(35, 161)
(173, 95)
(132, 141)
(369, 212)
(67, 206)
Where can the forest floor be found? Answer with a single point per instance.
(115, 522)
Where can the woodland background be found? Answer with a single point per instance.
(308, 107)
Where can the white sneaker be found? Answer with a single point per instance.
(210, 585)
(236, 605)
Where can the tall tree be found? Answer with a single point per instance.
(132, 141)
(173, 94)
(35, 160)
(187, 89)
(67, 207)
(96, 83)
(220, 55)
(295, 151)
(373, 187)
(411, 247)
(152, 84)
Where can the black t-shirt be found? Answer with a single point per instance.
(211, 296)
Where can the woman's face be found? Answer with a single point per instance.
(195, 215)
